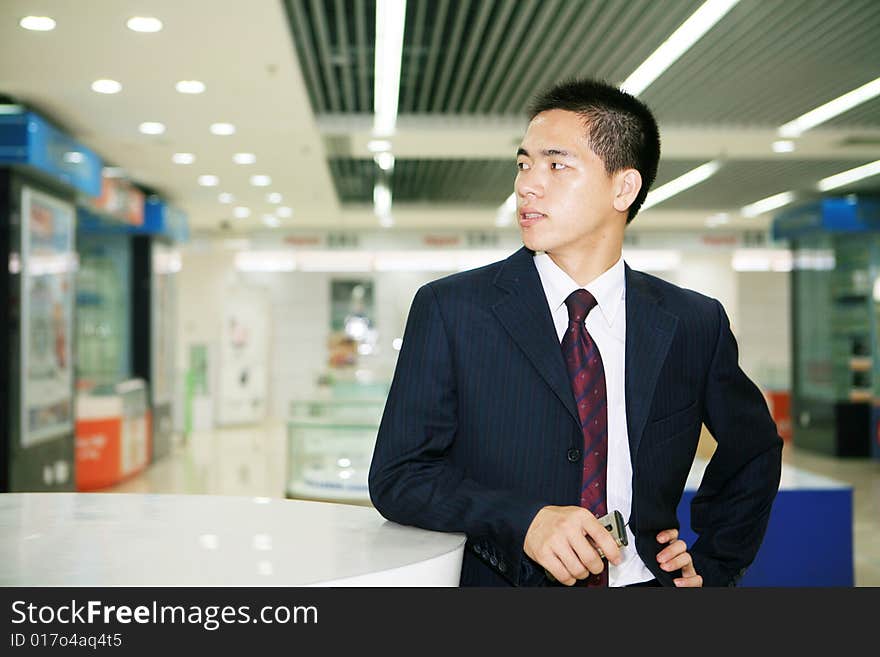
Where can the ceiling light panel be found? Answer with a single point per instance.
(849, 176)
(145, 24)
(244, 158)
(222, 129)
(831, 109)
(105, 86)
(152, 128)
(190, 87)
(37, 23)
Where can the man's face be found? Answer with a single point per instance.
(564, 196)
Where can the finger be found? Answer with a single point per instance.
(689, 570)
(688, 582)
(667, 536)
(671, 551)
(572, 562)
(602, 539)
(555, 567)
(588, 555)
(676, 563)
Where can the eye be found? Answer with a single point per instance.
(558, 166)
(522, 166)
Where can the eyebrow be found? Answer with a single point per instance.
(547, 152)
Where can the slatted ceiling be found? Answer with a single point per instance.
(525, 51)
(365, 58)
(519, 22)
(482, 182)
(411, 59)
(489, 43)
(766, 63)
(467, 59)
(740, 182)
(863, 115)
(672, 169)
(335, 42)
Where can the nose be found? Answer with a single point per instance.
(528, 183)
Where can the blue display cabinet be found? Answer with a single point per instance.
(41, 171)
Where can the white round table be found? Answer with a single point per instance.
(102, 539)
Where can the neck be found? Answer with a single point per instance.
(589, 260)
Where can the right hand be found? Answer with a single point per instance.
(562, 540)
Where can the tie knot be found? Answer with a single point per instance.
(579, 304)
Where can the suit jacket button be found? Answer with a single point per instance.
(574, 455)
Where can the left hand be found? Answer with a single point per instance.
(675, 556)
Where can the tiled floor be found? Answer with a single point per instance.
(252, 461)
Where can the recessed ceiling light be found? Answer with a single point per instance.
(226, 197)
(271, 220)
(37, 23)
(190, 87)
(783, 146)
(284, 212)
(183, 158)
(223, 129)
(261, 181)
(378, 145)
(244, 158)
(152, 128)
(241, 212)
(144, 24)
(273, 197)
(384, 160)
(104, 86)
(209, 181)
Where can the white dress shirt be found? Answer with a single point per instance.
(607, 325)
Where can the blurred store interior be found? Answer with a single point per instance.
(216, 214)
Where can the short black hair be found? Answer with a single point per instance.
(621, 129)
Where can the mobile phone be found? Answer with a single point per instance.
(613, 522)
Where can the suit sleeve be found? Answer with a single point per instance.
(731, 509)
(413, 480)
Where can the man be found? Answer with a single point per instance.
(537, 393)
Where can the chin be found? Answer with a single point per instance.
(531, 241)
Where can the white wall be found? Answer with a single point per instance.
(757, 304)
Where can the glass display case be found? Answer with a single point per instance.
(835, 290)
(329, 459)
(341, 410)
(103, 306)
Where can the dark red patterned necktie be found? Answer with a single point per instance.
(588, 385)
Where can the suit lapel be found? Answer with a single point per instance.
(524, 313)
(649, 332)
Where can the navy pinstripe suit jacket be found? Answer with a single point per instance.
(480, 428)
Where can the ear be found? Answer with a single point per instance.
(627, 184)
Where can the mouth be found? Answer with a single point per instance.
(528, 217)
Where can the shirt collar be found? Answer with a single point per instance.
(608, 288)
